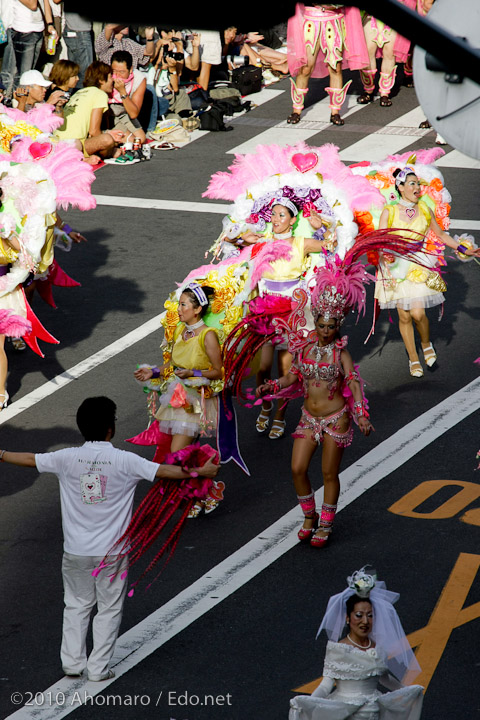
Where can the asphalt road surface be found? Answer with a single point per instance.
(228, 631)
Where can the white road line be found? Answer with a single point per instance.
(215, 208)
(152, 204)
(235, 571)
(458, 160)
(464, 224)
(376, 146)
(83, 367)
(285, 134)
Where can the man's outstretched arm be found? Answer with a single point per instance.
(18, 458)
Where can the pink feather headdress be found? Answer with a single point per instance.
(338, 288)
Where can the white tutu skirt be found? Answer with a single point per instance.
(403, 704)
(199, 418)
(407, 295)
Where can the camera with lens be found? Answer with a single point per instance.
(177, 56)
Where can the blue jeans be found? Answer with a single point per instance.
(80, 50)
(159, 107)
(21, 54)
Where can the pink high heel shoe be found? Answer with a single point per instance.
(304, 534)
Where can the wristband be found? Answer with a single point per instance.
(462, 248)
(155, 371)
(2, 453)
(197, 373)
(273, 386)
(66, 228)
(360, 410)
(122, 97)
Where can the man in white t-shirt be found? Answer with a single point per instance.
(97, 488)
(26, 24)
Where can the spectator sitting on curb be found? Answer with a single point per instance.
(126, 99)
(32, 91)
(114, 37)
(64, 77)
(84, 112)
(97, 487)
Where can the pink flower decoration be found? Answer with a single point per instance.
(179, 397)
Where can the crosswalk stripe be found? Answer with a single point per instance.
(457, 159)
(376, 145)
(214, 208)
(315, 119)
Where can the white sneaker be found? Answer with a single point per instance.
(268, 77)
(440, 140)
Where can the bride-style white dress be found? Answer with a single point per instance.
(356, 674)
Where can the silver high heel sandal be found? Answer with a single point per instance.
(6, 398)
(415, 368)
(430, 355)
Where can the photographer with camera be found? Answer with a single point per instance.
(64, 77)
(172, 56)
(32, 91)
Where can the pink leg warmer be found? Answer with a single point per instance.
(298, 96)
(337, 97)
(387, 81)
(368, 80)
(307, 503)
(327, 517)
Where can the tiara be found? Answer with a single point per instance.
(286, 203)
(402, 175)
(198, 292)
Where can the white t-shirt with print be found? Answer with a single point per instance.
(97, 487)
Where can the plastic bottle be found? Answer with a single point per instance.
(51, 45)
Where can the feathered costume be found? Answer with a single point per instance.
(37, 175)
(164, 509)
(313, 178)
(399, 279)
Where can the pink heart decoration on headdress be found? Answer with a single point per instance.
(305, 161)
(40, 150)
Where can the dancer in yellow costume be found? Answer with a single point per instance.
(405, 285)
(189, 381)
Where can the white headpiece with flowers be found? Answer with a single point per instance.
(387, 631)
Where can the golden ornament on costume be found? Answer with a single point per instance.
(436, 282)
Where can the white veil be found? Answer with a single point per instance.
(387, 631)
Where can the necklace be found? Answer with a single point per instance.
(410, 208)
(362, 647)
(321, 350)
(282, 236)
(189, 331)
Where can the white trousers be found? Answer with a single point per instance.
(82, 592)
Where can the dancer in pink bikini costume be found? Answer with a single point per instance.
(321, 40)
(382, 41)
(323, 371)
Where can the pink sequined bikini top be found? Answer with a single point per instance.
(318, 372)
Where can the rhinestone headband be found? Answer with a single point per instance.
(286, 203)
(402, 175)
(198, 292)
